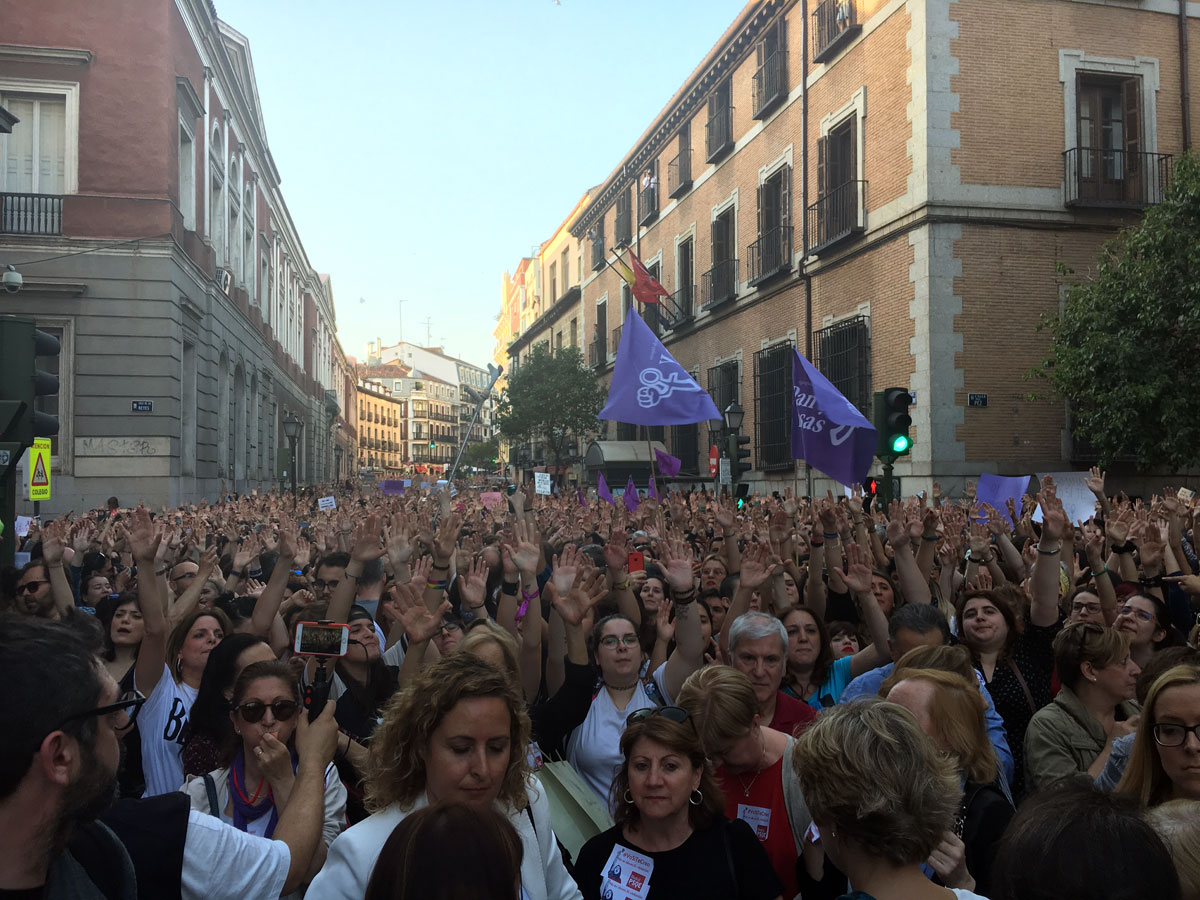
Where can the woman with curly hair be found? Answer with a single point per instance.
(455, 734)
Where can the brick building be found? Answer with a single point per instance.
(899, 221)
(140, 201)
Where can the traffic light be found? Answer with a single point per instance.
(892, 422)
(738, 452)
(870, 489)
(432, 445)
(22, 383)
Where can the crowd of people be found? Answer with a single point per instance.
(765, 699)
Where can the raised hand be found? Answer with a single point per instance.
(858, 572)
(473, 585)
(367, 546)
(565, 569)
(398, 536)
(663, 625)
(575, 605)
(421, 571)
(677, 566)
(756, 567)
(616, 552)
(1054, 520)
(406, 606)
(1117, 527)
(447, 537)
(142, 537)
(526, 551)
(1095, 481)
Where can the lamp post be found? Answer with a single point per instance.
(734, 414)
(292, 426)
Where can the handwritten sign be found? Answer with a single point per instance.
(541, 482)
(492, 499)
(326, 503)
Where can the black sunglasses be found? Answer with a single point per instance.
(129, 703)
(253, 710)
(670, 713)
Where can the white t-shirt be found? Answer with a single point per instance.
(160, 724)
(594, 748)
(222, 863)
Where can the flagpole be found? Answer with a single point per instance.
(653, 480)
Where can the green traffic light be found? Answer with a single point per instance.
(900, 443)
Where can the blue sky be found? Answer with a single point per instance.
(427, 147)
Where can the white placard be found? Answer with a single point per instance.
(725, 476)
(541, 482)
(22, 525)
(1078, 502)
(327, 503)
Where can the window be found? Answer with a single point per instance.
(653, 312)
(844, 357)
(624, 227)
(719, 283)
(648, 194)
(564, 267)
(596, 238)
(626, 432)
(33, 161)
(626, 299)
(264, 277)
(598, 352)
(187, 177)
(558, 341)
(834, 25)
(770, 77)
(773, 407)
(574, 332)
(247, 273)
(685, 444)
(679, 169)
(719, 130)
(683, 301)
(724, 386)
(218, 216)
(838, 211)
(772, 252)
(553, 282)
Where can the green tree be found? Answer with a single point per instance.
(549, 400)
(1125, 349)
(480, 455)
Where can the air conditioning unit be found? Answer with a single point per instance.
(224, 279)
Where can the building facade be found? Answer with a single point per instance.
(140, 201)
(383, 430)
(890, 186)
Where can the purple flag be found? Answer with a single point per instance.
(828, 432)
(667, 464)
(582, 498)
(631, 495)
(649, 387)
(996, 491)
(602, 490)
(652, 490)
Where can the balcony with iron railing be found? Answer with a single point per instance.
(770, 255)
(719, 284)
(679, 173)
(623, 231)
(837, 215)
(598, 353)
(1120, 179)
(616, 338)
(680, 307)
(598, 254)
(718, 133)
(30, 213)
(770, 84)
(648, 202)
(834, 25)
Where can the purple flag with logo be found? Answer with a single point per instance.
(602, 490)
(631, 495)
(652, 489)
(649, 387)
(828, 432)
(667, 464)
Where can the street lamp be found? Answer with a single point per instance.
(734, 415)
(292, 426)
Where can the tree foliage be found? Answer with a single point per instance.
(480, 455)
(1126, 346)
(550, 399)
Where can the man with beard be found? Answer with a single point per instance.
(59, 755)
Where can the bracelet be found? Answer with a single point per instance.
(1103, 571)
(812, 543)
(1124, 548)
(622, 586)
(522, 610)
(435, 567)
(1053, 552)
(530, 595)
(684, 599)
(162, 571)
(830, 536)
(255, 573)
(931, 537)
(480, 606)
(436, 585)
(1154, 581)
(509, 588)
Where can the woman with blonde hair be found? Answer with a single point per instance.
(1073, 735)
(882, 798)
(951, 710)
(1165, 761)
(1177, 822)
(455, 734)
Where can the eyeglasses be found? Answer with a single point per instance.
(1171, 735)
(127, 706)
(1085, 607)
(30, 587)
(670, 713)
(611, 640)
(253, 710)
(1140, 613)
(323, 585)
(450, 627)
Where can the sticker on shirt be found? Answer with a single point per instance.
(626, 875)
(757, 818)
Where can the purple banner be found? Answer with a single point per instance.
(828, 432)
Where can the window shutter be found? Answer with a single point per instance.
(762, 210)
(20, 153)
(52, 163)
(785, 197)
(852, 169)
(822, 149)
(1131, 97)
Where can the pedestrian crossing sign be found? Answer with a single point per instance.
(39, 469)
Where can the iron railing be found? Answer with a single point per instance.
(598, 253)
(679, 173)
(623, 233)
(616, 338)
(770, 254)
(30, 213)
(1115, 178)
(837, 215)
(834, 24)
(718, 133)
(770, 83)
(648, 202)
(598, 353)
(719, 284)
(844, 357)
(680, 308)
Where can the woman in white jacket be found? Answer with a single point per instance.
(455, 734)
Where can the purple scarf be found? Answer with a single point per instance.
(244, 812)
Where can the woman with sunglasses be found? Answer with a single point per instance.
(1074, 734)
(1165, 762)
(670, 825)
(252, 787)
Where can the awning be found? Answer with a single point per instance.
(632, 454)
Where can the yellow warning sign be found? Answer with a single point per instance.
(39, 469)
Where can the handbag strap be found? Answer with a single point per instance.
(1008, 660)
(210, 788)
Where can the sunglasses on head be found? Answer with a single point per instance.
(670, 713)
(253, 710)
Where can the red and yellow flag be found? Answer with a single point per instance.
(646, 288)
